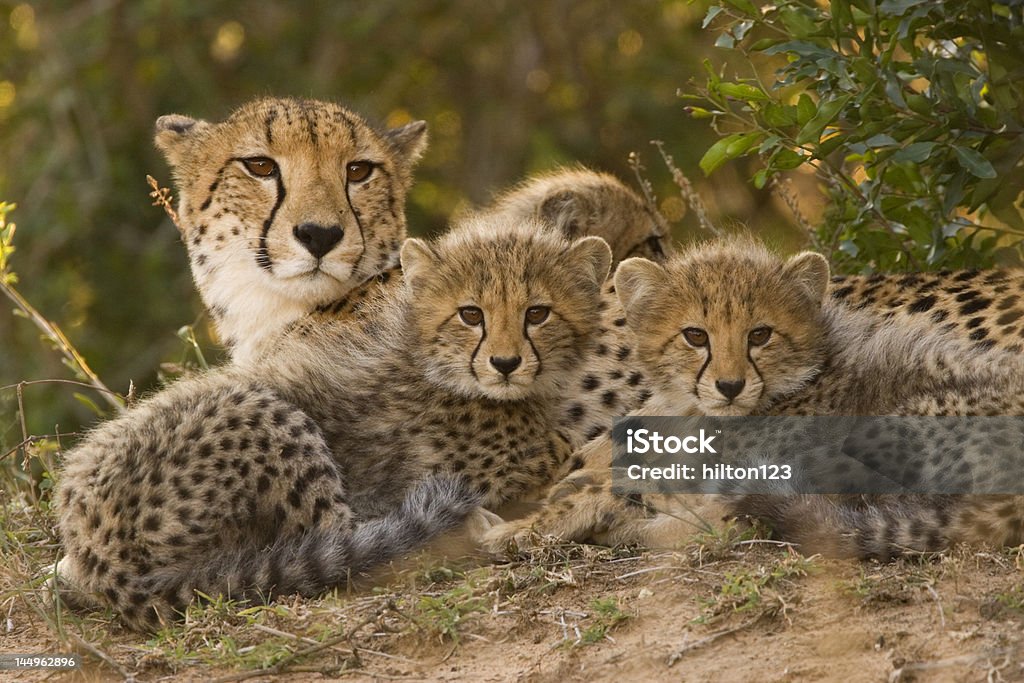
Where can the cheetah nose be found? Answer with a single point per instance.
(506, 365)
(317, 239)
(730, 388)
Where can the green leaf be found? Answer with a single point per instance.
(713, 78)
(745, 6)
(919, 104)
(849, 247)
(826, 113)
(765, 43)
(713, 12)
(88, 403)
(729, 147)
(769, 144)
(974, 163)
(830, 145)
(899, 7)
(881, 140)
(779, 116)
(797, 23)
(916, 152)
(698, 112)
(805, 109)
(742, 91)
(894, 91)
(761, 178)
(787, 159)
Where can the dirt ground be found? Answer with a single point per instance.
(723, 610)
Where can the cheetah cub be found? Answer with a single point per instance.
(351, 446)
(731, 329)
(496, 318)
(284, 207)
(579, 201)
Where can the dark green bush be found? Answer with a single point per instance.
(909, 112)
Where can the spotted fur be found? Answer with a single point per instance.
(353, 444)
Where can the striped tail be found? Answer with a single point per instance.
(309, 564)
(879, 527)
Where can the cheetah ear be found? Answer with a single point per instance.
(596, 256)
(567, 211)
(172, 131)
(418, 261)
(637, 282)
(409, 140)
(811, 270)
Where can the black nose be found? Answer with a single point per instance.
(317, 239)
(506, 365)
(730, 388)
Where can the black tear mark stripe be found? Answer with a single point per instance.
(359, 224)
(262, 255)
(536, 353)
(472, 356)
(700, 373)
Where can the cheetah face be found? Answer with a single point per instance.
(290, 202)
(503, 309)
(728, 328)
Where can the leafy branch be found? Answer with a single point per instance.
(909, 111)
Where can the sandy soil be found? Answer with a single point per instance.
(747, 612)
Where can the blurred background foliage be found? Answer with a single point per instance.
(508, 88)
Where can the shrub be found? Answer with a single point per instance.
(909, 111)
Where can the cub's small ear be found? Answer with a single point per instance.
(418, 260)
(637, 281)
(171, 131)
(811, 270)
(595, 255)
(409, 140)
(568, 211)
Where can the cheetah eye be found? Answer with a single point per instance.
(261, 167)
(695, 336)
(759, 336)
(471, 315)
(358, 171)
(535, 315)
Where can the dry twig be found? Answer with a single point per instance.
(162, 197)
(689, 194)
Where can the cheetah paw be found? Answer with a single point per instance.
(480, 522)
(509, 539)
